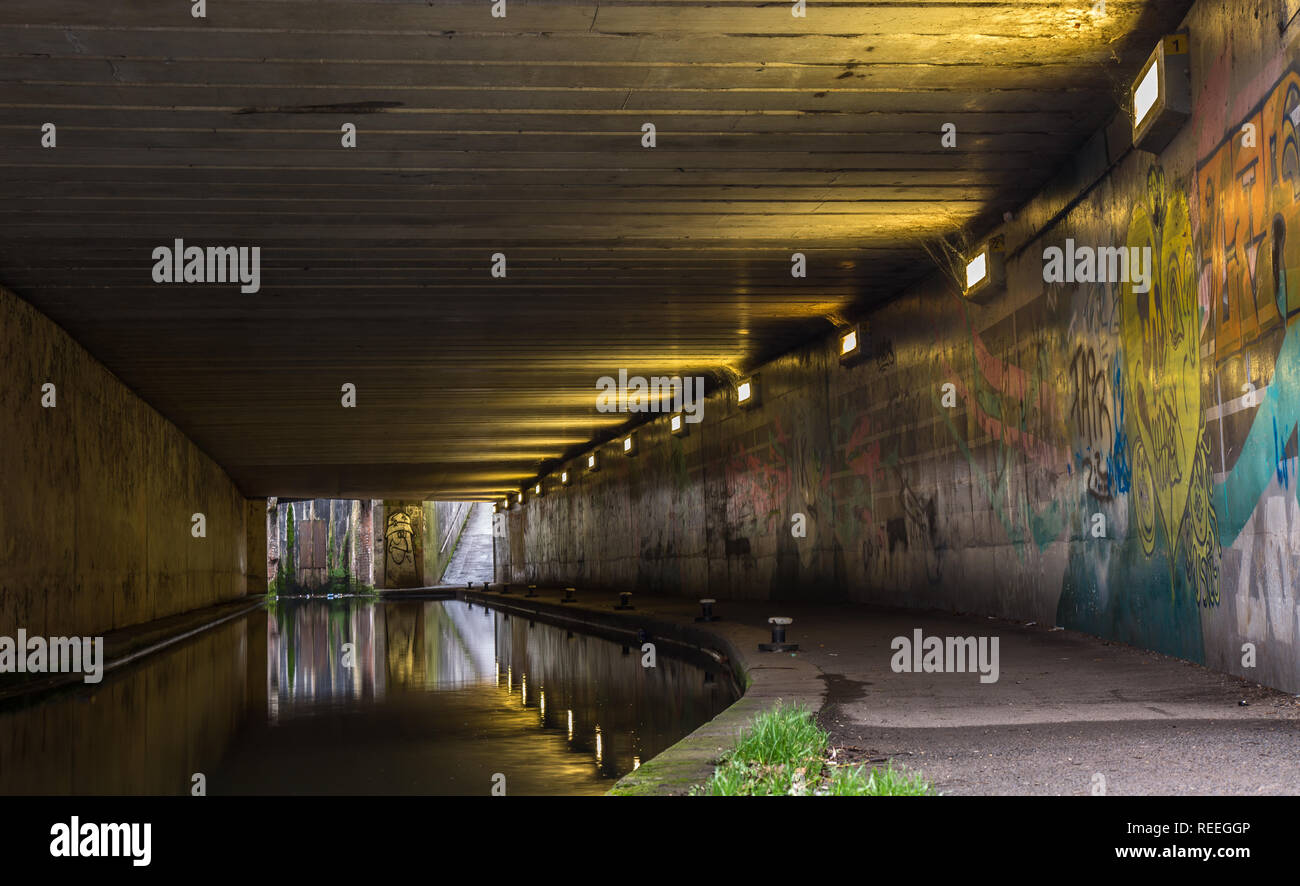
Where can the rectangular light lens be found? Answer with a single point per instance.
(848, 342)
(627, 444)
(537, 490)
(591, 462)
(976, 269)
(677, 423)
(743, 392)
(564, 478)
(1146, 94)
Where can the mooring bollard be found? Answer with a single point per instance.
(706, 608)
(778, 643)
(505, 588)
(624, 600)
(568, 596)
(532, 591)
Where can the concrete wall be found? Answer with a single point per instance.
(399, 540)
(408, 549)
(443, 523)
(96, 496)
(1074, 406)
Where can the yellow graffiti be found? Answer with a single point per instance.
(1162, 369)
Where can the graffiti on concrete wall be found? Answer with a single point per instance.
(403, 542)
(1161, 331)
(1127, 459)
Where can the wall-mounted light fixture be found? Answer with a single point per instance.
(850, 344)
(984, 269)
(564, 478)
(519, 498)
(629, 445)
(537, 490)
(747, 393)
(505, 503)
(1161, 96)
(593, 462)
(677, 425)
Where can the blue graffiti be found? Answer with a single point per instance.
(1279, 455)
(1117, 465)
(1256, 466)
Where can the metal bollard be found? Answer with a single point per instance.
(706, 609)
(532, 591)
(568, 596)
(625, 600)
(778, 643)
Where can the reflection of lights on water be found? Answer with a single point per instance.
(570, 725)
(523, 689)
(510, 679)
(636, 762)
(541, 703)
(496, 669)
(599, 746)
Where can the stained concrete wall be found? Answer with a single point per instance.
(399, 538)
(1073, 406)
(409, 550)
(444, 521)
(97, 494)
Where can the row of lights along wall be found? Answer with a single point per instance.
(746, 398)
(1160, 102)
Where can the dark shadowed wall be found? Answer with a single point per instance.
(97, 495)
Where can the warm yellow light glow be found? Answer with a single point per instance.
(537, 490)
(600, 746)
(977, 269)
(848, 342)
(564, 477)
(570, 725)
(636, 762)
(743, 392)
(1146, 94)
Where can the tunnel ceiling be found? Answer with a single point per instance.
(520, 135)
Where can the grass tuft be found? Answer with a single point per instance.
(783, 753)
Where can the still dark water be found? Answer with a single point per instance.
(430, 697)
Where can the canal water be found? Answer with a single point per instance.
(361, 696)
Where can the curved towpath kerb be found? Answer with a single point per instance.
(765, 677)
